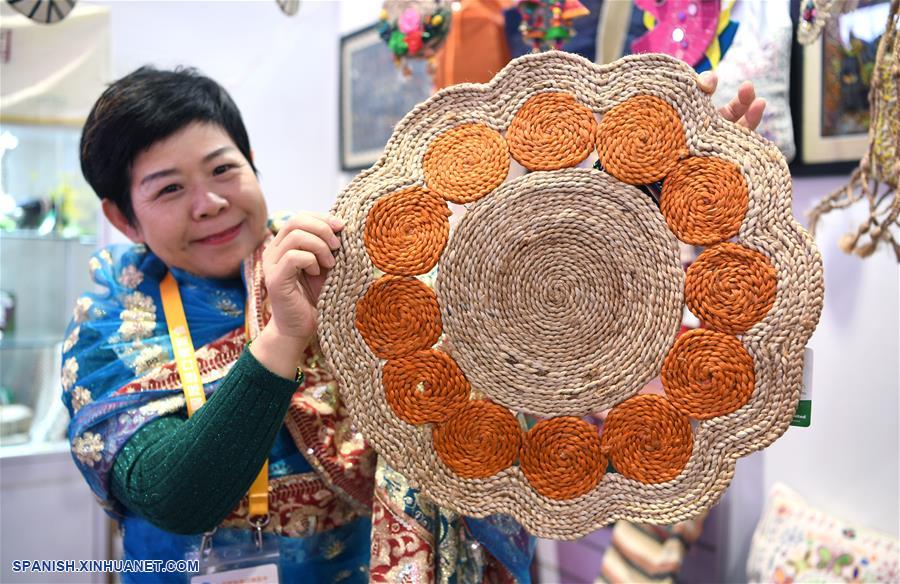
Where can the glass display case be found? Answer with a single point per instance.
(40, 277)
(48, 226)
(42, 191)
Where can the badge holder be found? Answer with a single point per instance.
(253, 558)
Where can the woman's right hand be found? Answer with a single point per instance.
(295, 265)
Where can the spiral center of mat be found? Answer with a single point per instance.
(561, 292)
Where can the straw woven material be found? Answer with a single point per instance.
(563, 284)
(560, 293)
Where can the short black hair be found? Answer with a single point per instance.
(139, 110)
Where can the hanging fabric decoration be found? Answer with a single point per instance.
(415, 29)
(697, 32)
(476, 46)
(43, 11)
(547, 24)
(815, 14)
(877, 177)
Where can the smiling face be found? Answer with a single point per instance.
(197, 202)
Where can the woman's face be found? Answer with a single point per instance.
(197, 202)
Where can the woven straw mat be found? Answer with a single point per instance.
(560, 293)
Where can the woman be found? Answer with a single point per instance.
(168, 154)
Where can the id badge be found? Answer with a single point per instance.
(262, 574)
(247, 561)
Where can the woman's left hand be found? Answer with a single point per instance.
(745, 108)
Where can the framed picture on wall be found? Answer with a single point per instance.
(832, 79)
(374, 96)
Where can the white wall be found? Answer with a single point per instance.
(282, 72)
(357, 14)
(847, 460)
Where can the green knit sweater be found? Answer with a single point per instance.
(185, 475)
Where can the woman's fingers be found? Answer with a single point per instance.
(745, 108)
(304, 241)
(746, 92)
(303, 245)
(336, 223)
(754, 114)
(739, 105)
(294, 262)
(707, 81)
(313, 224)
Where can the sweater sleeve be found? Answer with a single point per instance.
(185, 475)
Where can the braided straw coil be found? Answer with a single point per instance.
(560, 293)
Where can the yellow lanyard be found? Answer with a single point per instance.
(189, 372)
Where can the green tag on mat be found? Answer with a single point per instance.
(804, 407)
(801, 416)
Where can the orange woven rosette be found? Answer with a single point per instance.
(471, 353)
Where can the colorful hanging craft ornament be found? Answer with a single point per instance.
(547, 24)
(877, 178)
(415, 29)
(815, 14)
(560, 293)
(698, 32)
